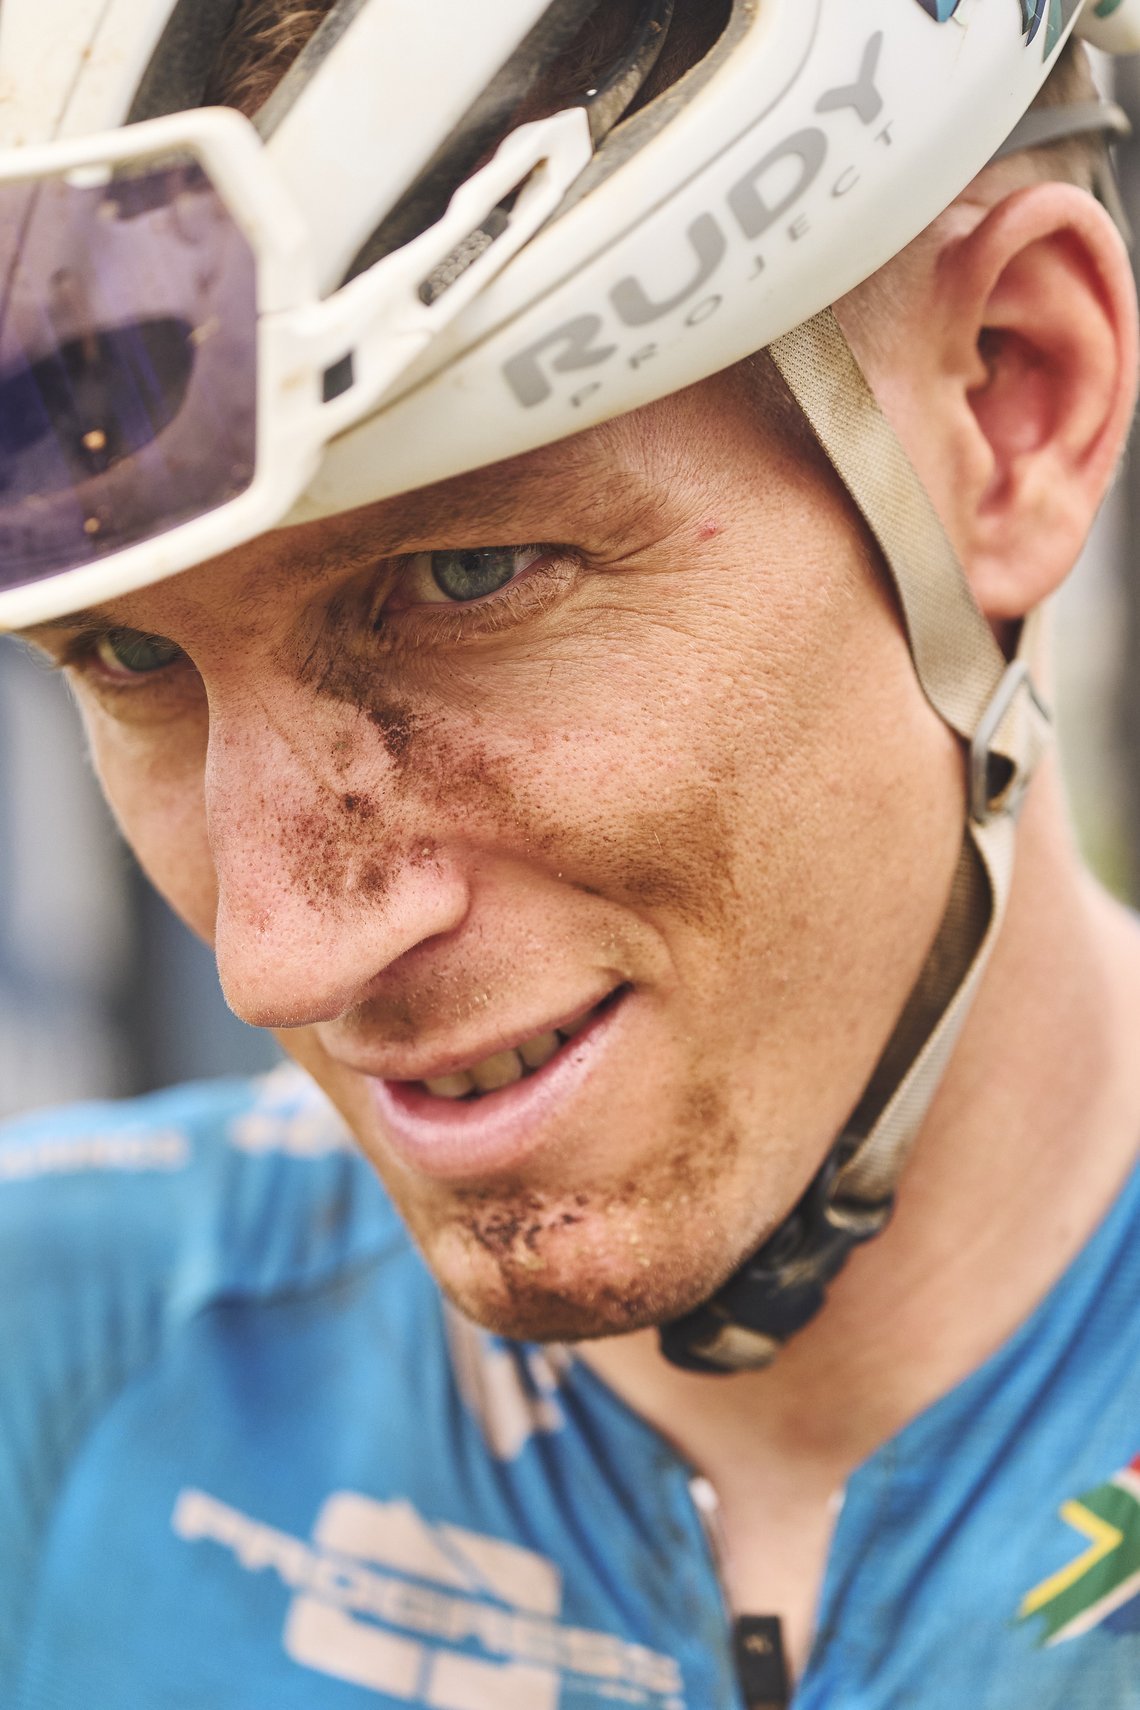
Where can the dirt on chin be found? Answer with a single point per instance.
(545, 1267)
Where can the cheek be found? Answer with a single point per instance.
(736, 757)
(153, 782)
(757, 773)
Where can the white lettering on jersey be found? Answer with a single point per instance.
(292, 1117)
(80, 1153)
(384, 1599)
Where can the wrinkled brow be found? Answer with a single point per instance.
(551, 496)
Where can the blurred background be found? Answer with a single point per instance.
(103, 993)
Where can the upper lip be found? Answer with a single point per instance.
(416, 1063)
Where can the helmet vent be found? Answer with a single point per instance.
(338, 379)
(609, 56)
(509, 100)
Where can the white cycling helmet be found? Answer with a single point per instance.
(211, 326)
(183, 365)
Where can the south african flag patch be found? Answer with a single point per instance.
(1104, 1579)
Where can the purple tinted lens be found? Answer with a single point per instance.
(128, 364)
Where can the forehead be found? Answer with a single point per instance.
(610, 474)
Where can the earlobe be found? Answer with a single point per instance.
(1041, 298)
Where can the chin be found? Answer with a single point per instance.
(527, 1310)
(535, 1273)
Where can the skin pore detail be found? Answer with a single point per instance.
(415, 842)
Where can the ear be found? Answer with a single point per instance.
(1012, 384)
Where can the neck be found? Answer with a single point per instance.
(1033, 1131)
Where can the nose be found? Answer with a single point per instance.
(326, 873)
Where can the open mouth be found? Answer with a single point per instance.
(506, 1068)
(499, 1114)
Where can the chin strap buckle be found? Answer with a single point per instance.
(783, 1285)
(1009, 727)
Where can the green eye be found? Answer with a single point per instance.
(472, 575)
(455, 576)
(128, 653)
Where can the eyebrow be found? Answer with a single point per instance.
(573, 489)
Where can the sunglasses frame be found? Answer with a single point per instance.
(382, 321)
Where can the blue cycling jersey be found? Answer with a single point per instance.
(248, 1459)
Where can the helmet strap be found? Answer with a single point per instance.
(994, 707)
(1041, 127)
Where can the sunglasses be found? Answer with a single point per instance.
(170, 372)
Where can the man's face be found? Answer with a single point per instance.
(672, 792)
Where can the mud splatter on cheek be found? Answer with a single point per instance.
(347, 843)
(358, 807)
(344, 668)
(397, 726)
(340, 848)
(581, 821)
(423, 756)
(317, 848)
(576, 804)
(354, 841)
(343, 752)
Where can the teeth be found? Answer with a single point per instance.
(450, 1086)
(504, 1068)
(501, 1070)
(538, 1051)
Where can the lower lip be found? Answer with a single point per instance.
(456, 1140)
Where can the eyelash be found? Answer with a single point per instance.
(530, 593)
(81, 654)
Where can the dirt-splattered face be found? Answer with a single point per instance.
(624, 731)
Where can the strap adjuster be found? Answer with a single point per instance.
(998, 782)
